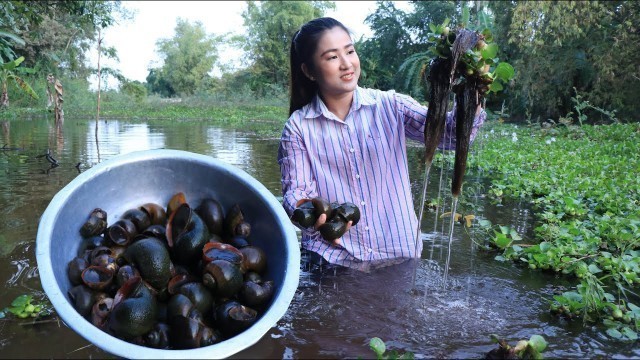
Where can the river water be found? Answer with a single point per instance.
(333, 314)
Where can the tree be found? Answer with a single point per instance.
(56, 34)
(188, 58)
(270, 26)
(556, 46)
(9, 71)
(397, 36)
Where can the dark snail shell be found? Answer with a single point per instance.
(238, 242)
(221, 251)
(157, 231)
(233, 318)
(91, 243)
(222, 277)
(253, 259)
(305, 217)
(175, 201)
(100, 312)
(158, 337)
(212, 214)
(349, 212)
(177, 281)
(186, 235)
(152, 259)
(82, 298)
(122, 232)
(96, 224)
(139, 218)
(333, 229)
(254, 294)
(97, 277)
(234, 223)
(125, 273)
(75, 268)
(188, 333)
(321, 206)
(199, 295)
(134, 310)
(156, 214)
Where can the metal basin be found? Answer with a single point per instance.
(133, 179)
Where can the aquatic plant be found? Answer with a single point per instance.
(524, 349)
(379, 347)
(583, 183)
(24, 307)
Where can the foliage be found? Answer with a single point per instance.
(588, 206)
(188, 58)
(379, 347)
(57, 34)
(10, 71)
(269, 28)
(134, 89)
(524, 349)
(556, 46)
(23, 307)
(381, 55)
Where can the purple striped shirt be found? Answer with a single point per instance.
(362, 160)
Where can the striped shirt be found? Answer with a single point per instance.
(362, 160)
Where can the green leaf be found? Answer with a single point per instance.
(15, 38)
(594, 269)
(614, 333)
(495, 87)
(377, 345)
(21, 301)
(466, 14)
(502, 241)
(432, 28)
(538, 343)
(490, 51)
(514, 234)
(25, 87)
(627, 332)
(545, 246)
(504, 72)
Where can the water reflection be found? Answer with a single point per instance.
(332, 315)
(116, 138)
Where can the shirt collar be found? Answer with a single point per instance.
(317, 107)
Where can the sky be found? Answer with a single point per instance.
(135, 39)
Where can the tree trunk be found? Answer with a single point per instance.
(4, 99)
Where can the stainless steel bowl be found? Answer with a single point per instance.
(133, 179)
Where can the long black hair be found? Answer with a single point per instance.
(303, 46)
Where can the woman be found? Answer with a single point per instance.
(348, 144)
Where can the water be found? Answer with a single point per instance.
(333, 315)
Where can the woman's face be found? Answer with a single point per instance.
(336, 64)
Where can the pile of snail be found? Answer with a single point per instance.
(170, 278)
(338, 215)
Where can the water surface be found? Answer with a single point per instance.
(333, 314)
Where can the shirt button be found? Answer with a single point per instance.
(366, 228)
(362, 203)
(357, 176)
(351, 150)
(370, 250)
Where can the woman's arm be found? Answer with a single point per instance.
(295, 169)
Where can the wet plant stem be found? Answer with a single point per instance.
(419, 232)
(454, 207)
